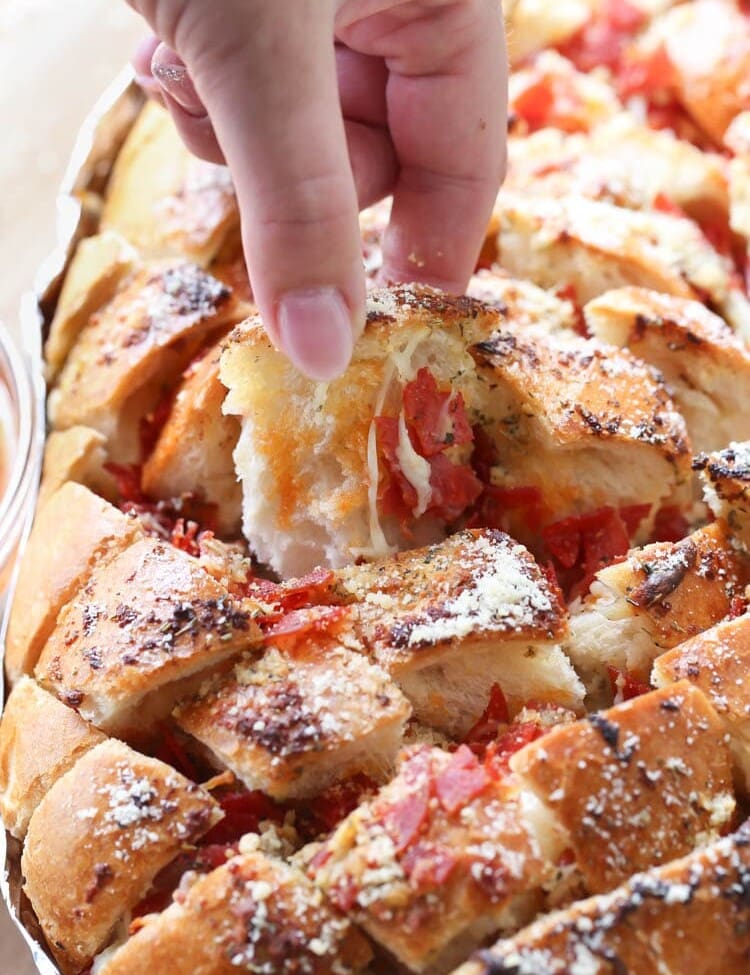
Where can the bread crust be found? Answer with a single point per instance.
(688, 916)
(40, 740)
(254, 914)
(114, 645)
(72, 533)
(635, 786)
(97, 840)
(76, 454)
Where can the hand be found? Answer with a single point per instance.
(410, 99)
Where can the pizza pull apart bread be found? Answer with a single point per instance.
(688, 916)
(445, 398)
(725, 475)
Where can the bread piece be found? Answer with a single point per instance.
(449, 621)
(76, 454)
(163, 199)
(625, 163)
(74, 531)
(97, 840)
(521, 302)
(533, 25)
(708, 45)
(253, 915)
(193, 454)
(596, 247)
(585, 424)
(309, 461)
(660, 596)
(635, 786)
(40, 739)
(725, 475)
(100, 264)
(706, 366)
(293, 722)
(135, 347)
(438, 860)
(147, 621)
(688, 916)
(717, 662)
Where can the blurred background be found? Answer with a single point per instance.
(55, 59)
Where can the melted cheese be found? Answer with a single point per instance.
(414, 467)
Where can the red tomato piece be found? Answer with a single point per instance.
(461, 780)
(493, 718)
(535, 104)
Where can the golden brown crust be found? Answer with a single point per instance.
(40, 739)
(76, 454)
(425, 866)
(98, 839)
(689, 916)
(135, 347)
(119, 640)
(718, 663)
(293, 722)
(253, 915)
(520, 302)
(637, 785)
(193, 454)
(725, 476)
(73, 532)
(164, 200)
(101, 263)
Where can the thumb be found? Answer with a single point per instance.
(267, 77)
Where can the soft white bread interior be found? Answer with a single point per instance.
(660, 596)
(121, 654)
(256, 914)
(295, 720)
(164, 200)
(97, 840)
(423, 866)
(40, 739)
(76, 454)
(635, 786)
(533, 24)
(725, 476)
(673, 919)
(74, 531)
(449, 621)
(193, 452)
(521, 302)
(717, 662)
(706, 366)
(137, 346)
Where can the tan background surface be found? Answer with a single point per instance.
(55, 58)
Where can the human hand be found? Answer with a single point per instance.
(411, 99)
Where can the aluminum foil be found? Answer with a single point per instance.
(78, 207)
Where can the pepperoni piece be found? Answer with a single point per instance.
(462, 780)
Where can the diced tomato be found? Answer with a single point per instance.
(243, 813)
(535, 104)
(569, 292)
(435, 420)
(333, 805)
(313, 589)
(737, 607)
(462, 780)
(428, 865)
(494, 717)
(153, 423)
(173, 752)
(128, 481)
(670, 525)
(185, 537)
(454, 488)
(602, 41)
(625, 686)
(300, 623)
(403, 820)
(632, 516)
(647, 75)
(500, 752)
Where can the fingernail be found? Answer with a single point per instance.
(173, 78)
(315, 331)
